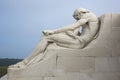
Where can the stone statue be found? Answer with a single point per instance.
(68, 36)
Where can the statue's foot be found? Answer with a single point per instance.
(18, 65)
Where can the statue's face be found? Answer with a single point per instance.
(77, 15)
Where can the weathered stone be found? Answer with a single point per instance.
(38, 70)
(102, 64)
(99, 60)
(115, 33)
(67, 76)
(114, 64)
(115, 20)
(106, 76)
(116, 48)
(4, 78)
(76, 63)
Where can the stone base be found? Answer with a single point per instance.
(86, 76)
(77, 76)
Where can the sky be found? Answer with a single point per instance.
(22, 21)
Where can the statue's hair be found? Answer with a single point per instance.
(81, 10)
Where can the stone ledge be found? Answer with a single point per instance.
(96, 51)
(86, 76)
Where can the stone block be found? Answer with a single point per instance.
(102, 64)
(67, 76)
(76, 64)
(73, 76)
(27, 78)
(100, 76)
(105, 20)
(116, 20)
(114, 64)
(104, 34)
(107, 64)
(50, 78)
(116, 48)
(115, 33)
(42, 68)
(106, 76)
(105, 27)
(86, 76)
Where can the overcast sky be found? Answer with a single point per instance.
(21, 21)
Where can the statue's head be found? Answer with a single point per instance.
(79, 12)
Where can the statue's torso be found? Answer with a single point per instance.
(89, 29)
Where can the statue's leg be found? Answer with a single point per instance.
(38, 53)
(41, 47)
(64, 40)
(39, 50)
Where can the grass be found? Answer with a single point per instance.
(4, 63)
(3, 70)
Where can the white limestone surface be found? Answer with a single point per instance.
(100, 60)
(4, 77)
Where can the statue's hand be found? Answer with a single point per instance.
(48, 32)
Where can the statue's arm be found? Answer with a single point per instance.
(72, 26)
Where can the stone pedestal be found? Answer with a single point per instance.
(100, 60)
